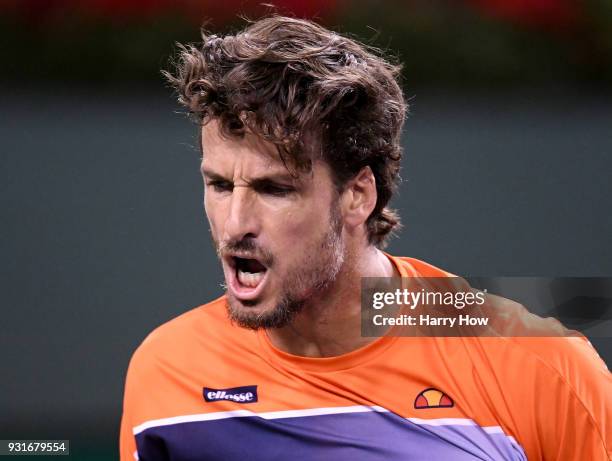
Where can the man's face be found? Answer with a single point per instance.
(278, 236)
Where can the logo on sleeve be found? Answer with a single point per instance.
(243, 394)
(432, 398)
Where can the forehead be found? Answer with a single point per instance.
(249, 153)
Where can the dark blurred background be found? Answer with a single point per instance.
(508, 159)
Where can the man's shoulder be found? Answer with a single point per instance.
(413, 267)
(570, 360)
(195, 332)
(209, 315)
(524, 333)
(540, 349)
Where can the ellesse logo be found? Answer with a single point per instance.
(243, 394)
(432, 398)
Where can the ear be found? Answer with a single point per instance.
(359, 198)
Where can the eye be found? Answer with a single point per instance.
(220, 186)
(275, 190)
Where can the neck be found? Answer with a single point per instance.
(330, 324)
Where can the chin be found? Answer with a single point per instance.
(256, 314)
(246, 311)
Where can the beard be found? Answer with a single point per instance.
(309, 277)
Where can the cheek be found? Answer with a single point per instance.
(297, 229)
(214, 214)
(207, 205)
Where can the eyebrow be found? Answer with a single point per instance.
(268, 178)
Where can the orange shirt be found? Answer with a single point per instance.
(201, 388)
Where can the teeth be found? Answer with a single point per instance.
(250, 279)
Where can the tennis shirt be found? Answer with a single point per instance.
(201, 388)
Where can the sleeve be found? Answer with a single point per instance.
(574, 413)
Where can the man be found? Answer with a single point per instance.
(300, 132)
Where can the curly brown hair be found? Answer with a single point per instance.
(308, 90)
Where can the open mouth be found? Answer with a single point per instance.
(247, 277)
(250, 272)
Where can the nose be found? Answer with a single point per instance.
(242, 219)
